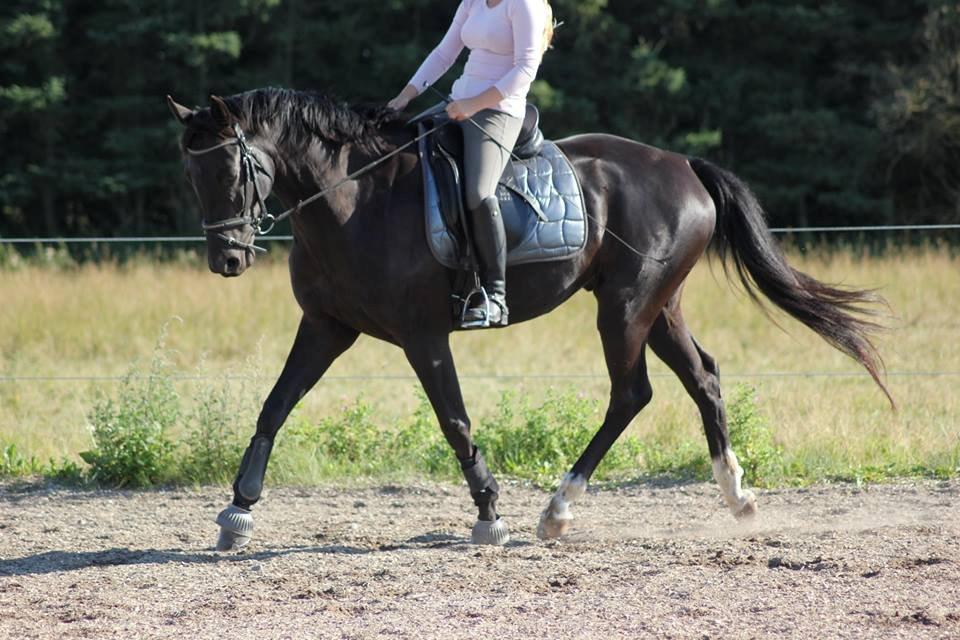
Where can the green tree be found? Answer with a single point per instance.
(135, 53)
(788, 87)
(836, 111)
(922, 123)
(32, 96)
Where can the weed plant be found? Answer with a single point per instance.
(213, 445)
(131, 432)
(14, 464)
(752, 440)
(134, 444)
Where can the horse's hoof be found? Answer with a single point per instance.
(487, 532)
(748, 507)
(236, 528)
(553, 525)
(556, 519)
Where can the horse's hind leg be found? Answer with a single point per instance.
(671, 340)
(622, 332)
(318, 343)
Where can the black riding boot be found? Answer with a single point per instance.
(490, 241)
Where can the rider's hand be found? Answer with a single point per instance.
(403, 98)
(462, 109)
(398, 104)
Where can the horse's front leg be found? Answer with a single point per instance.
(432, 360)
(318, 343)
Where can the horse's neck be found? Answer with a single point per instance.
(304, 175)
(302, 178)
(323, 227)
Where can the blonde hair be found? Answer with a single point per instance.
(548, 29)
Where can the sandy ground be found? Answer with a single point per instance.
(658, 561)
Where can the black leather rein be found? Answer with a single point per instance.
(258, 216)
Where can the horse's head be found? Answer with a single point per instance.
(232, 179)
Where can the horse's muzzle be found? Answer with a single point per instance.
(230, 263)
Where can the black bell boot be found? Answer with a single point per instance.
(490, 240)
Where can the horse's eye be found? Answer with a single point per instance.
(227, 177)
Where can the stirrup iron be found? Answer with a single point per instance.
(476, 324)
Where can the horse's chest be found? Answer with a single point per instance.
(350, 296)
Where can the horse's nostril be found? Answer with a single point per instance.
(233, 264)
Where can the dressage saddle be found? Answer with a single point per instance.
(540, 198)
(529, 142)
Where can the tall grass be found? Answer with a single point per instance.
(60, 319)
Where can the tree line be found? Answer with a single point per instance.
(836, 112)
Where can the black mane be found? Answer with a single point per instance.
(300, 117)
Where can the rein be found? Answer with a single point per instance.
(251, 165)
(260, 216)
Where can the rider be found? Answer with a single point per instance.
(507, 39)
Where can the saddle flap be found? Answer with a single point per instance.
(450, 185)
(543, 211)
(449, 138)
(442, 201)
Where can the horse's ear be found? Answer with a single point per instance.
(180, 112)
(220, 111)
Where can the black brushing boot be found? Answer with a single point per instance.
(490, 240)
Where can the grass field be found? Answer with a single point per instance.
(97, 320)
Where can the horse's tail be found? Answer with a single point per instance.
(841, 316)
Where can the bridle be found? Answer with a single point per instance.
(257, 215)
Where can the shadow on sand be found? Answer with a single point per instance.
(62, 561)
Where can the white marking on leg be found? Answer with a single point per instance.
(556, 518)
(728, 474)
(571, 489)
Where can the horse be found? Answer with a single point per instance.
(360, 264)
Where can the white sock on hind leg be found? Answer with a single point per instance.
(728, 474)
(571, 489)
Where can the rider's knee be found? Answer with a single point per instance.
(474, 198)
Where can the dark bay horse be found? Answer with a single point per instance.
(360, 264)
